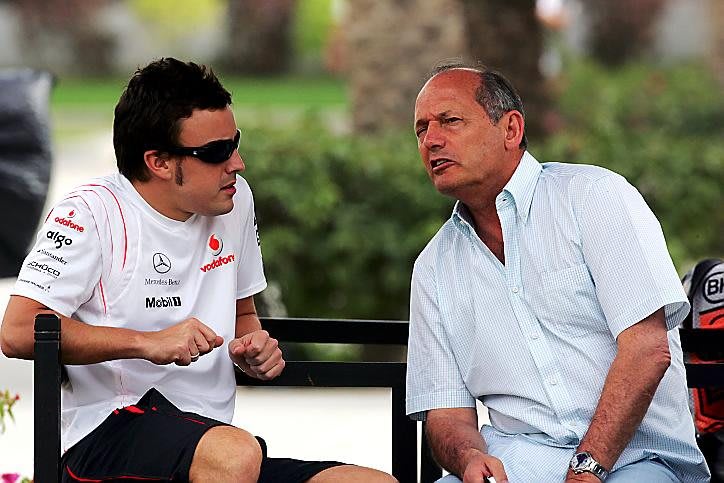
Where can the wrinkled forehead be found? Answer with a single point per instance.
(447, 90)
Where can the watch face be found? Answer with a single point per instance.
(579, 459)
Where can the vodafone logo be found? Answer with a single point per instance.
(217, 262)
(66, 222)
(215, 244)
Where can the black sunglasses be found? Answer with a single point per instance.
(215, 152)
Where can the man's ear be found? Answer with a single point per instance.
(158, 164)
(514, 125)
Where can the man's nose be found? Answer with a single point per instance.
(434, 136)
(236, 163)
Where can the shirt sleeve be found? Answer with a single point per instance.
(433, 376)
(626, 253)
(250, 273)
(64, 266)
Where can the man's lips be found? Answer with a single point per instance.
(440, 164)
(229, 187)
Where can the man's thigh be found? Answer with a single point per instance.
(151, 439)
(645, 471)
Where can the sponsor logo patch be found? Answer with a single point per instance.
(41, 287)
(713, 288)
(59, 239)
(44, 268)
(45, 252)
(217, 262)
(65, 221)
(162, 302)
(162, 281)
(161, 263)
(216, 244)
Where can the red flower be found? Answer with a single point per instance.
(9, 477)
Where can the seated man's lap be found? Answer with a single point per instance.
(647, 471)
(643, 471)
(526, 460)
(154, 439)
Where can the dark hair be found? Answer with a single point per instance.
(154, 102)
(495, 93)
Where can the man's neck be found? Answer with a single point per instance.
(158, 198)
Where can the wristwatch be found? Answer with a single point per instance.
(584, 463)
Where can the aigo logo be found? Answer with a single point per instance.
(216, 245)
(59, 239)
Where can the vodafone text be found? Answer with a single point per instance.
(69, 224)
(217, 262)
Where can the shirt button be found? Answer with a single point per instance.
(534, 335)
(514, 289)
(552, 381)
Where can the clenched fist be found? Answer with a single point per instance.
(181, 344)
(257, 354)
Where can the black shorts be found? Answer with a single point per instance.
(153, 440)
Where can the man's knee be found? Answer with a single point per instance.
(226, 453)
(352, 474)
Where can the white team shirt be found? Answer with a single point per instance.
(107, 258)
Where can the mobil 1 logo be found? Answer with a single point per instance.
(163, 302)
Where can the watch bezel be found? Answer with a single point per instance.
(584, 462)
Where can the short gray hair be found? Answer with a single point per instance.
(495, 93)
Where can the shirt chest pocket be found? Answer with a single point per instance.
(566, 303)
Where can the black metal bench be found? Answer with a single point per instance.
(391, 375)
(405, 449)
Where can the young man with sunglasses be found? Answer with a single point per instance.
(152, 271)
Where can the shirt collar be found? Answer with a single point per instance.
(521, 186)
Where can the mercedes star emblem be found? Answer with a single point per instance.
(161, 263)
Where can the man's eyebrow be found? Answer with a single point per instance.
(422, 122)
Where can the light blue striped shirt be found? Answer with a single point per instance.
(533, 340)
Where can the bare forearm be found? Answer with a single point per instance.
(630, 385)
(454, 443)
(246, 323)
(81, 343)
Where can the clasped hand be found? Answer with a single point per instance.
(257, 354)
(182, 343)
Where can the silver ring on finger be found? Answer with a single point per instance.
(195, 358)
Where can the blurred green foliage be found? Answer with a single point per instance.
(341, 218)
(307, 92)
(174, 18)
(312, 24)
(661, 128)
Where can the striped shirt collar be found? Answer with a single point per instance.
(520, 186)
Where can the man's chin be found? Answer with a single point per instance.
(446, 189)
(218, 210)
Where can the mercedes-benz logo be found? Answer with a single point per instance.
(161, 263)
